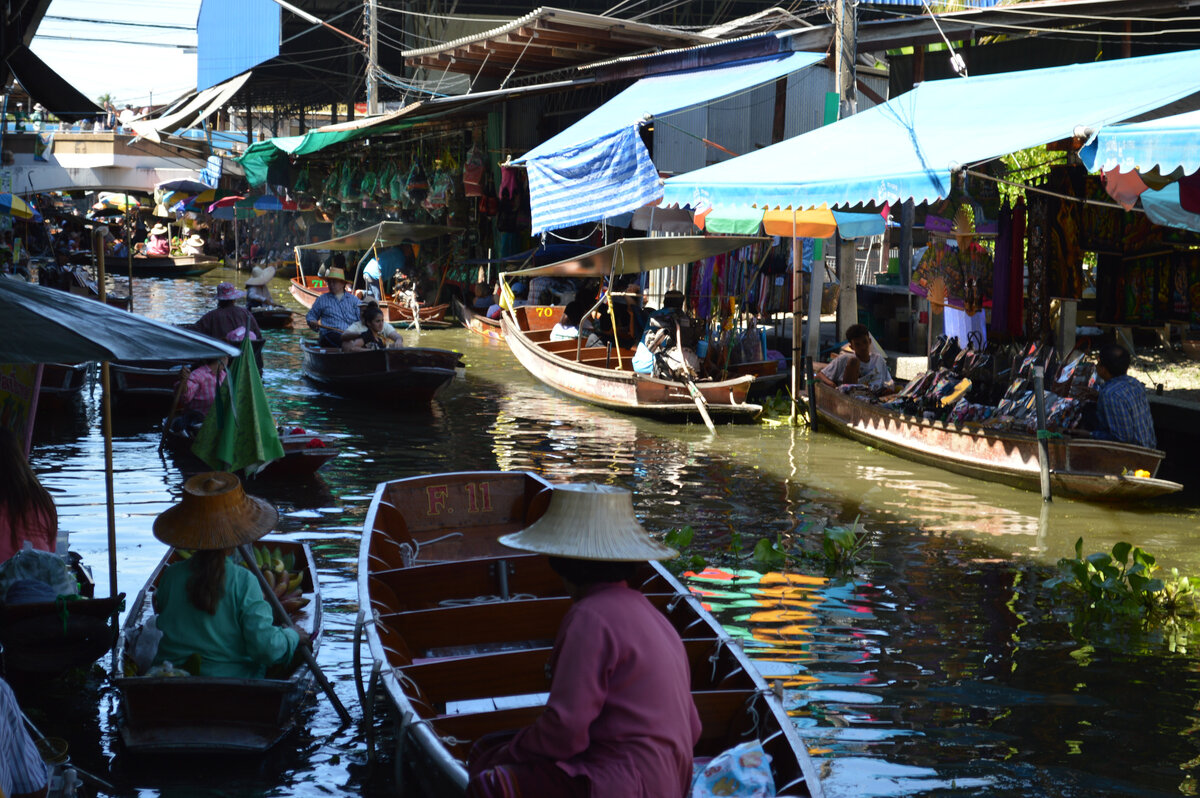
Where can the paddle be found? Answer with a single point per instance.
(184, 373)
(682, 375)
(281, 616)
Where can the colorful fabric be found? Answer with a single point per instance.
(620, 712)
(238, 641)
(201, 389)
(21, 767)
(1123, 413)
(158, 246)
(221, 321)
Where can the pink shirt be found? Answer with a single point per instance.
(35, 526)
(158, 245)
(620, 710)
(201, 389)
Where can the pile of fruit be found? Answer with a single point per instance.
(283, 577)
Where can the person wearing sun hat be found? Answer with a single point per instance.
(334, 310)
(620, 719)
(207, 605)
(226, 320)
(158, 245)
(194, 245)
(257, 293)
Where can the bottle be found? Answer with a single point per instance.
(70, 782)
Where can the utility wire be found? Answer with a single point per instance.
(114, 41)
(118, 22)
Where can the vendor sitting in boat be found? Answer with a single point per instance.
(159, 244)
(228, 317)
(335, 310)
(27, 512)
(862, 366)
(668, 347)
(620, 719)
(257, 293)
(371, 331)
(1122, 409)
(193, 246)
(210, 608)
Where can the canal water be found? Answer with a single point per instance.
(938, 665)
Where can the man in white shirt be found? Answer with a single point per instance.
(862, 366)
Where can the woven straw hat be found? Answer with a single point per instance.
(260, 275)
(195, 240)
(590, 522)
(158, 229)
(214, 513)
(335, 273)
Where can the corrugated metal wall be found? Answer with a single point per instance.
(743, 123)
(233, 36)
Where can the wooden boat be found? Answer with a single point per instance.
(1080, 468)
(457, 666)
(605, 377)
(306, 288)
(47, 638)
(478, 323)
(410, 373)
(164, 715)
(301, 458)
(62, 382)
(395, 311)
(272, 317)
(178, 266)
(144, 382)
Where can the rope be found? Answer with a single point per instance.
(468, 602)
(715, 656)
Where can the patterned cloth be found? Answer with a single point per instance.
(1123, 413)
(21, 767)
(201, 389)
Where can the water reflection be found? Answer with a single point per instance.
(938, 667)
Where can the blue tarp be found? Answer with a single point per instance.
(906, 148)
(1162, 207)
(592, 181)
(662, 94)
(1168, 143)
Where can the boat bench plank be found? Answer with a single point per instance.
(423, 586)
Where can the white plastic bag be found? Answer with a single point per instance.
(743, 771)
(145, 644)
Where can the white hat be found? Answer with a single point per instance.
(158, 229)
(590, 522)
(260, 275)
(195, 241)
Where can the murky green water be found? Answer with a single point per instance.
(939, 668)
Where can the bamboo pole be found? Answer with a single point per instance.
(106, 415)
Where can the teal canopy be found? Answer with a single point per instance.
(1170, 143)
(907, 147)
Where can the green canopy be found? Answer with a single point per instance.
(239, 431)
(258, 156)
(384, 234)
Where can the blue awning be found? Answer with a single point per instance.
(599, 167)
(1168, 143)
(906, 148)
(663, 94)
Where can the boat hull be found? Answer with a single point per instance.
(595, 379)
(463, 668)
(305, 290)
(273, 317)
(394, 312)
(299, 458)
(1081, 468)
(61, 381)
(192, 715)
(478, 323)
(182, 266)
(410, 373)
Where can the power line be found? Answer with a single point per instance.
(117, 22)
(114, 41)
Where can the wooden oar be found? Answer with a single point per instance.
(281, 616)
(693, 390)
(184, 373)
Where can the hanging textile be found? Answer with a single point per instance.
(1001, 282)
(1016, 272)
(1039, 303)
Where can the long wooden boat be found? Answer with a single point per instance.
(478, 323)
(81, 283)
(1080, 468)
(144, 382)
(463, 627)
(306, 289)
(301, 457)
(606, 377)
(165, 715)
(178, 266)
(62, 382)
(50, 637)
(272, 317)
(409, 373)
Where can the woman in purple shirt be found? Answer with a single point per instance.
(620, 718)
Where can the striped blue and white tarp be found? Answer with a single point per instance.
(592, 181)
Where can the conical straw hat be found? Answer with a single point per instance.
(590, 522)
(214, 513)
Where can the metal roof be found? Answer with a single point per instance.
(548, 39)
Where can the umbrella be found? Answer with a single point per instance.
(225, 202)
(112, 199)
(238, 431)
(185, 185)
(12, 205)
(230, 212)
(44, 325)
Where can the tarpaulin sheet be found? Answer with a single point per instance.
(1170, 143)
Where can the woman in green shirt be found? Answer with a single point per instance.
(207, 605)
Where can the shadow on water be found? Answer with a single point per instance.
(940, 667)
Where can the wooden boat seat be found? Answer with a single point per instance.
(424, 586)
(565, 348)
(538, 336)
(603, 359)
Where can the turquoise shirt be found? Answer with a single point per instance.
(239, 641)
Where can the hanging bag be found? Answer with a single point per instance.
(473, 172)
(417, 184)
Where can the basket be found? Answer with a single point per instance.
(830, 290)
(53, 750)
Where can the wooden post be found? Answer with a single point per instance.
(797, 312)
(1039, 395)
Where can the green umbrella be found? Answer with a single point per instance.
(238, 431)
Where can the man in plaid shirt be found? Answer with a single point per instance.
(1122, 411)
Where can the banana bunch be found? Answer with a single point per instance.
(282, 576)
